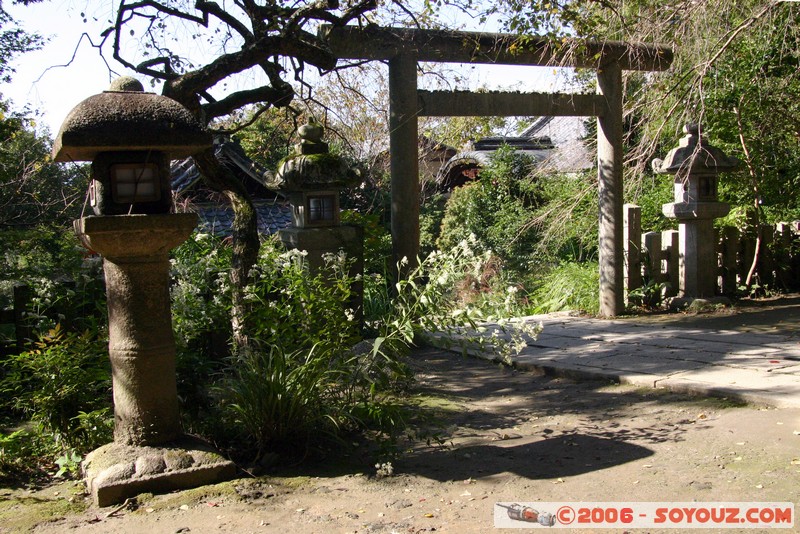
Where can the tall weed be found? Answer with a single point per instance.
(569, 286)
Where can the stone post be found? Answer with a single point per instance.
(141, 345)
(633, 254)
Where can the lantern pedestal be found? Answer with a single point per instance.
(142, 351)
(697, 245)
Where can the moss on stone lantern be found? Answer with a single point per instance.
(129, 136)
(312, 178)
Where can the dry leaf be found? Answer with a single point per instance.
(428, 515)
(795, 461)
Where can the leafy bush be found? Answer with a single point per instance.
(496, 210)
(566, 219)
(64, 385)
(282, 399)
(296, 309)
(66, 289)
(430, 300)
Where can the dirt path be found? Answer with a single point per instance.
(508, 436)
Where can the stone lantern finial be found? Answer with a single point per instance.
(311, 138)
(127, 84)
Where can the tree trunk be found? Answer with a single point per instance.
(245, 239)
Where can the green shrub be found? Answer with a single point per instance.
(566, 219)
(66, 289)
(64, 385)
(496, 211)
(281, 399)
(294, 309)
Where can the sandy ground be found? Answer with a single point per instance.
(505, 436)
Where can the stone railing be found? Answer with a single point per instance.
(652, 263)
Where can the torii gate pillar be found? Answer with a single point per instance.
(609, 178)
(403, 157)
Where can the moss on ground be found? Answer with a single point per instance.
(21, 511)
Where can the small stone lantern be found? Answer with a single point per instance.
(312, 179)
(695, 164)
(130, 137)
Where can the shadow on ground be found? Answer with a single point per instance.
(550, 458)
(496, 419)
(778, 315)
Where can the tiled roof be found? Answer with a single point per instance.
(185, 173)
(217, 219)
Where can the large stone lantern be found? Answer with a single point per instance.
(696, 165)
(130, 137)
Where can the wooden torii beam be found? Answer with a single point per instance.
(404, 47)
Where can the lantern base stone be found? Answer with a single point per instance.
(115, 472)
(698, 305)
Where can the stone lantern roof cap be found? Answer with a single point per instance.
(694, 155)
(312, 167)
(125, 118)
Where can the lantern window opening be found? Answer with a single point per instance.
(135, 182)
(321, 208)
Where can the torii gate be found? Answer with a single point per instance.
(404, 47)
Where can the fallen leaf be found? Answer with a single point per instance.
(647, 466)
(559, 481)
(465, 494)
(737, 459)
(740, 443)
(212, 504)
(701, 416)
(428, 515)
(795, 461)
(760, 486)
(184, 507)
(635, 481)
(796, 432)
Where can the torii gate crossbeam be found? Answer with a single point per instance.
(404, 47)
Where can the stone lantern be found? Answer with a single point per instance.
(130, 137)
(696, 165)
(312, 178)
